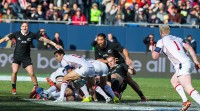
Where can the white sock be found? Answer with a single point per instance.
(181, 92)
(109, 90)
(100, 91)
(63, 89)
(51, 89)
(55, 94)
(85, 91)
(195, 95)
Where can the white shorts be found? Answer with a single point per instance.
(101, 69)
(86, 71)
(184, 68)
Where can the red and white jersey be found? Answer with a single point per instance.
(60, 72)
(75, 61)
(172, 46)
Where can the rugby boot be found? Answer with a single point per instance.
(116, 99)
(108, 100)
(186, 105)
(14, 91)
(88, 99)
(33, 92)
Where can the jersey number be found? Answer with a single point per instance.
(176, 45)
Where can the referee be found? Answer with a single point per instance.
(104, 48)
(21, 56)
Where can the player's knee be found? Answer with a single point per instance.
(32, 74)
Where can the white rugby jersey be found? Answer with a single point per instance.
(172, 46)
(75, 61)
(60, 72)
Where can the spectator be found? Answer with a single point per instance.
(56, 16)
(8, 16)
(161, 15)
(174, 17)
(79, 18)
(192, 42)
(193, 17)
(34, 15)
(43, 45)
(1, 16)
(153, 19)
(57, 40)
(66, 17)
(50, 12)
(95, 14)
(129, 15)
(149, 42)
(119, 21)
(40, 13)
(141, 17)
(112, 15)
(74, 9)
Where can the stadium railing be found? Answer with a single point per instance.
(86, 23)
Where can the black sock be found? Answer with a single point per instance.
(140, 93)
(14, 85)
(115, 84)
(36, 84)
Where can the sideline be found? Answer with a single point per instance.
(22, 78)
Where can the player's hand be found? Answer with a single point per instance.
(58, 46)
(197, 66)
(129, 61)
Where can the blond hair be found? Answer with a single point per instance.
(164, 29)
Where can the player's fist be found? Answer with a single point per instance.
(197, 66)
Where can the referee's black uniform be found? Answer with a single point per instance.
(114, 49)
(22, 49)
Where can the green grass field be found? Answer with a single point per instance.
(155, 89)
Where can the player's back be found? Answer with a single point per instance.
(173, 48)
(75, 61)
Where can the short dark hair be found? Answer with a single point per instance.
(24, 22)
(102, 35)
(60, 51)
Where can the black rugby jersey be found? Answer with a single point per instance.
(111, 48)
(121, 69)
(23, 42)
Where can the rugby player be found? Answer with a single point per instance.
(174, 47)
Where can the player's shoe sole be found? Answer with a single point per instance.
(186, 105)
(14, 91)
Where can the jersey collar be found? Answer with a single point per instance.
(24, 33)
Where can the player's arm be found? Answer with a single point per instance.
(192, 53)
(127, 58)
(50, 42)
(98, 57)
(156, 50)
(4, 39)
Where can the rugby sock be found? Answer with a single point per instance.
(51, 89)
(100, 91)
(63, 89)
(14, 85)
(36, 84)
(181, 92)
(85, 91)
(115, 84)
(109, 90)
(195, 95)
(55, 94)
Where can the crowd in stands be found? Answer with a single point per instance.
(108, 12)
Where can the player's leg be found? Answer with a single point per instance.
(91, 81)
(186, 82)
(30, 71)
(73, 75)
(108, 89)
(135, 87)
(15, 68)
(178, 87)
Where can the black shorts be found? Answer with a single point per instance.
(25, 62)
